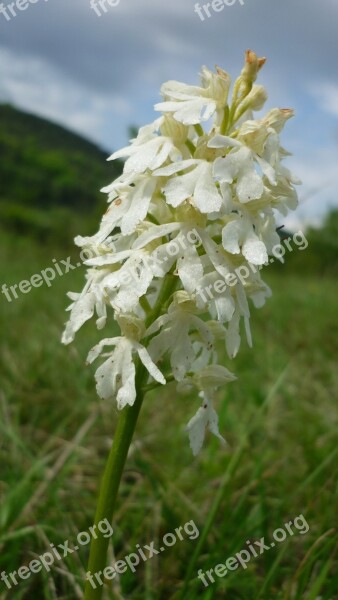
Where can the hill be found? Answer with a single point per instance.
(47, 173)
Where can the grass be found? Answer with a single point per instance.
(280, 420)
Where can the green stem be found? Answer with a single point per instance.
(118, 456)
(145, 304)
(154, 385)
(191, 147)
(225, 121)
(199, 129)
(111, 482)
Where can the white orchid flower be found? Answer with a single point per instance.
(194, 208)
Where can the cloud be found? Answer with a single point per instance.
(111, 51)
(52, 94)
(327, 97)
(317, 168)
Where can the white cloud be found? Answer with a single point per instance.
(317, 169)
(327, 96)
(53, 95)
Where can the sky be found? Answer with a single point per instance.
(99, 74)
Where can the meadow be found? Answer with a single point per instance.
(279, 419)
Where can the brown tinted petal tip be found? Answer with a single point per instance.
(252, 59)
(221, 72)
(250, 56)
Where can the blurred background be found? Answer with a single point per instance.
(73, 87)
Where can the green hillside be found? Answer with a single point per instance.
(46, 174)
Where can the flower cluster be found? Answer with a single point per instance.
(224, 182)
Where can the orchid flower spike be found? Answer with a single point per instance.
(195, 206)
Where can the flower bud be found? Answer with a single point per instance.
(277, 117)
(131, 326)
(252, 66)
(254, 134)
(173, 129)
(255, 100)
(218, 84)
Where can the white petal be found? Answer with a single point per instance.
(176, 167)
(167, 149)
(182, 352)
(82, 311)
(254, 250)
(213, 423)
(155, 326)
(133, 288)
(225, 169)
(248, 331)
(206, 196)
(225, 307)
(205, 416)
(101, 322)
(161, 260)
(242, 299)
(190, 269)
(203, 329)
(144, 154)
(105, 377)
(231, 236)
(153, 233)
(96, 350)
(127, 391)
(249, 186)
(126, 151)
(149, 364)
(196, 429)
(179, 89)
(223, 141)
(268, 170)
(190, 111)
(233, 339)
(141, 199)
(216, 257)
(180, 188)
(213, 376)
(118, 184)
(108, 259)
(150, 155)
